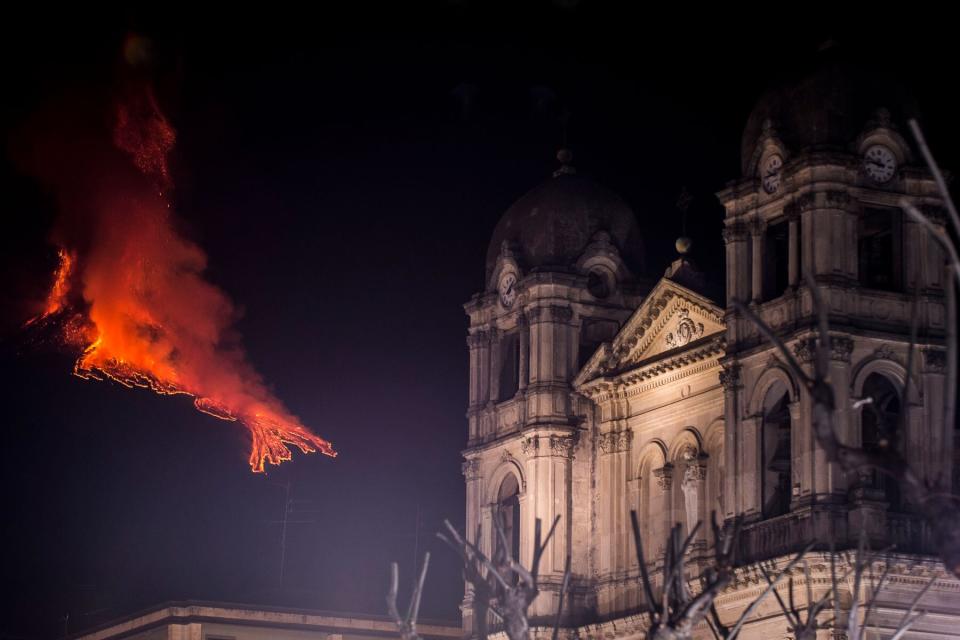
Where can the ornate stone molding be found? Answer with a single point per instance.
(553, 445)
(805, 349)
(686, 332)
(530, 445)
(664, 476)
(563, 445)
(840, 348)
(615, 441)
(886, 352)
(730, 377)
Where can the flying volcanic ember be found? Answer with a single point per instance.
(130, 296)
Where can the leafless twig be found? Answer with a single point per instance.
(503, 580)
(676, 612)
(407, 625)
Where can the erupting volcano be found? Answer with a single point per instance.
(129, 293)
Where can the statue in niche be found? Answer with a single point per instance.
(690, 486)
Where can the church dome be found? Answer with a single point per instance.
(553, 223)
(827, 108)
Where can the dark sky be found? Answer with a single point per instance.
(343, 172)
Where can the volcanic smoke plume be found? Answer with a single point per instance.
(129, 292)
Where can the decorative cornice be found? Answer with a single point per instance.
(615, 441)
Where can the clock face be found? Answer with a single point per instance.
(770, 173)
(508, 289)
(879, 163)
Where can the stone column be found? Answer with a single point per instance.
(523, 329)
(614, 447)
(494, 393)
(549, 459)
(794, 252)
(732, 439)
(475, 345)
(750, 477)
(757, 229)
(474, 482)
(940, 447)
(738, 259)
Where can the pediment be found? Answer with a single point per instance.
(671, 320)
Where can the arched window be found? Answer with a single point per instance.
(879, 425)
(652, 512)
(508, 511)
(776, 452)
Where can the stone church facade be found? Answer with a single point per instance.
(595, 391)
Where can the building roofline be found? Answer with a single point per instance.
(188, 611)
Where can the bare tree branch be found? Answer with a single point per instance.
(408, 625)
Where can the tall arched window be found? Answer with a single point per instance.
(776, 452)
(508, 510)
(652, 512)
(879, 425)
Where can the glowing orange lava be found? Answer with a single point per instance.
(135, 303)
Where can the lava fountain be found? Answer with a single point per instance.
(130, 296)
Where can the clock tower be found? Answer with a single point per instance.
(825, 164)
(561, 277)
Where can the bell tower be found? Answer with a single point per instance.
(825, 163)
(561, 278)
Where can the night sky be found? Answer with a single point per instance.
(343, 172)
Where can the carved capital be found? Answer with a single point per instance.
(695, 472)
(757, 227)
(836, 199)
(615, 441)
(664, 476)
(840, 348)
(530, 446)
(553, 445)
(471, 469)
(805, 349)
(477, 339)
(730, 377)
(563, 446)
(934, 360)
(803, 202)
(734, 233)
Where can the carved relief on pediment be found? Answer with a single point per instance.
(686, 331)
(670, 318)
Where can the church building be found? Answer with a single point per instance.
(595, 390)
